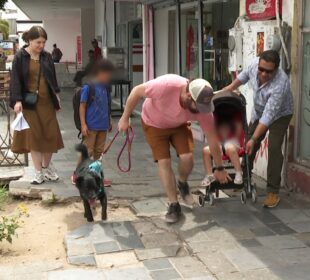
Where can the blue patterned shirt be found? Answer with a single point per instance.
(273, 99)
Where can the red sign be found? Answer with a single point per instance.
(79, 49)
(262, 9)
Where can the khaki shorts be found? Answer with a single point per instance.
(181, 138)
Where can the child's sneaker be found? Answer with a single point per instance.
(238, 178)
(208, 179)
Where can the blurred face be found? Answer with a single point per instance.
(104, 77)
(188, 103)
(37, 45)
(95, 44)
(266, 71)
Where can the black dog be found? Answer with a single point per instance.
(89, 181)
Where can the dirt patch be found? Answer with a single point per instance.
(41, 237)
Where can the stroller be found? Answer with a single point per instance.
(230, 104)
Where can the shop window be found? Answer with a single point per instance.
(306, 13)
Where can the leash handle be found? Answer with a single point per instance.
(130, 134)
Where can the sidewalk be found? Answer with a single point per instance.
(226, 241)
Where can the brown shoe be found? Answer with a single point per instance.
(271, 200)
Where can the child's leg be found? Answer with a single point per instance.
(207, 160)
(232, 152)
(99, 144)
(90, 141)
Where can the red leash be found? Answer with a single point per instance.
(130, 134)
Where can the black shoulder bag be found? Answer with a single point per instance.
(31, 98)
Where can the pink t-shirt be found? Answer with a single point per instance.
(162, 108)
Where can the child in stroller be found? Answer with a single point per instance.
(231, 135)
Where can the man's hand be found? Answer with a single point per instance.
(123, 124)
(84, 130)
(222, 176)
(18, 107)
(250, 147)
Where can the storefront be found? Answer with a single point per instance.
(299, 167)
(191, 38)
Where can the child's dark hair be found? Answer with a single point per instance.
(103, 65)
(33, 33)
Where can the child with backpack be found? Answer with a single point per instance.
(92, 112)
(94, 109)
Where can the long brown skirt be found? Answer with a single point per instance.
(44, 134)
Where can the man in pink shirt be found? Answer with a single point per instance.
(171, 102)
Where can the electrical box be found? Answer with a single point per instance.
(262, 9)
(235, 59)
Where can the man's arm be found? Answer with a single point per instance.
(233, 86)
(134, 97)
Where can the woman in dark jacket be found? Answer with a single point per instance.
(33, 71)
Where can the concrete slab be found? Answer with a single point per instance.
(281, 242)
(82, 260)
(116, 260)
(157, 264)
(132, 273)
(149, 207)
(155, 253)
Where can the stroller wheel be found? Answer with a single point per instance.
(201, 200)
(211, 198)
(254, 194)
(243, 197)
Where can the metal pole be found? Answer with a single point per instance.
(178, 35)
(200, 39)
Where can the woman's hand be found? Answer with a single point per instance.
(18, 107)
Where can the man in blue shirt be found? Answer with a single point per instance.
(94, 110)
(273, 110)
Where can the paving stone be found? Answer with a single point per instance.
(146, 228)
(158, 240)
(129, 242)
(76, 274)
(216, 262)
(82, 260)
(106, 247)
(149, 207)
(291, 215)
(78, 247)
(230, 276)
(209, 277)
(116, 260)
(304, 237)
(249, 243)
(295, 256)
(292, 272)
(231, 219)
(281, 229)
(270, 256)
(157, 264)
(243, 259)
(123, 228)
(281, 242)
(213, 246)
(194, 235)
(165, 274)
(262, 231)
(80, 232)
(189, 267)
(266, 217)
(132, 273)
(168, 251)
(300, 227)
(261, 274)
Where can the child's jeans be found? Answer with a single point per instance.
(95, 141)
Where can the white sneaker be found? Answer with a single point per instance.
(38, 178)
(50, 173)
(208, 179)
(238, 178)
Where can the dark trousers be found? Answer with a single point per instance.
(277, 131)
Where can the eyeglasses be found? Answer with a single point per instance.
(264, 70)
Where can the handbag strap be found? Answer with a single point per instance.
(39, 76)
